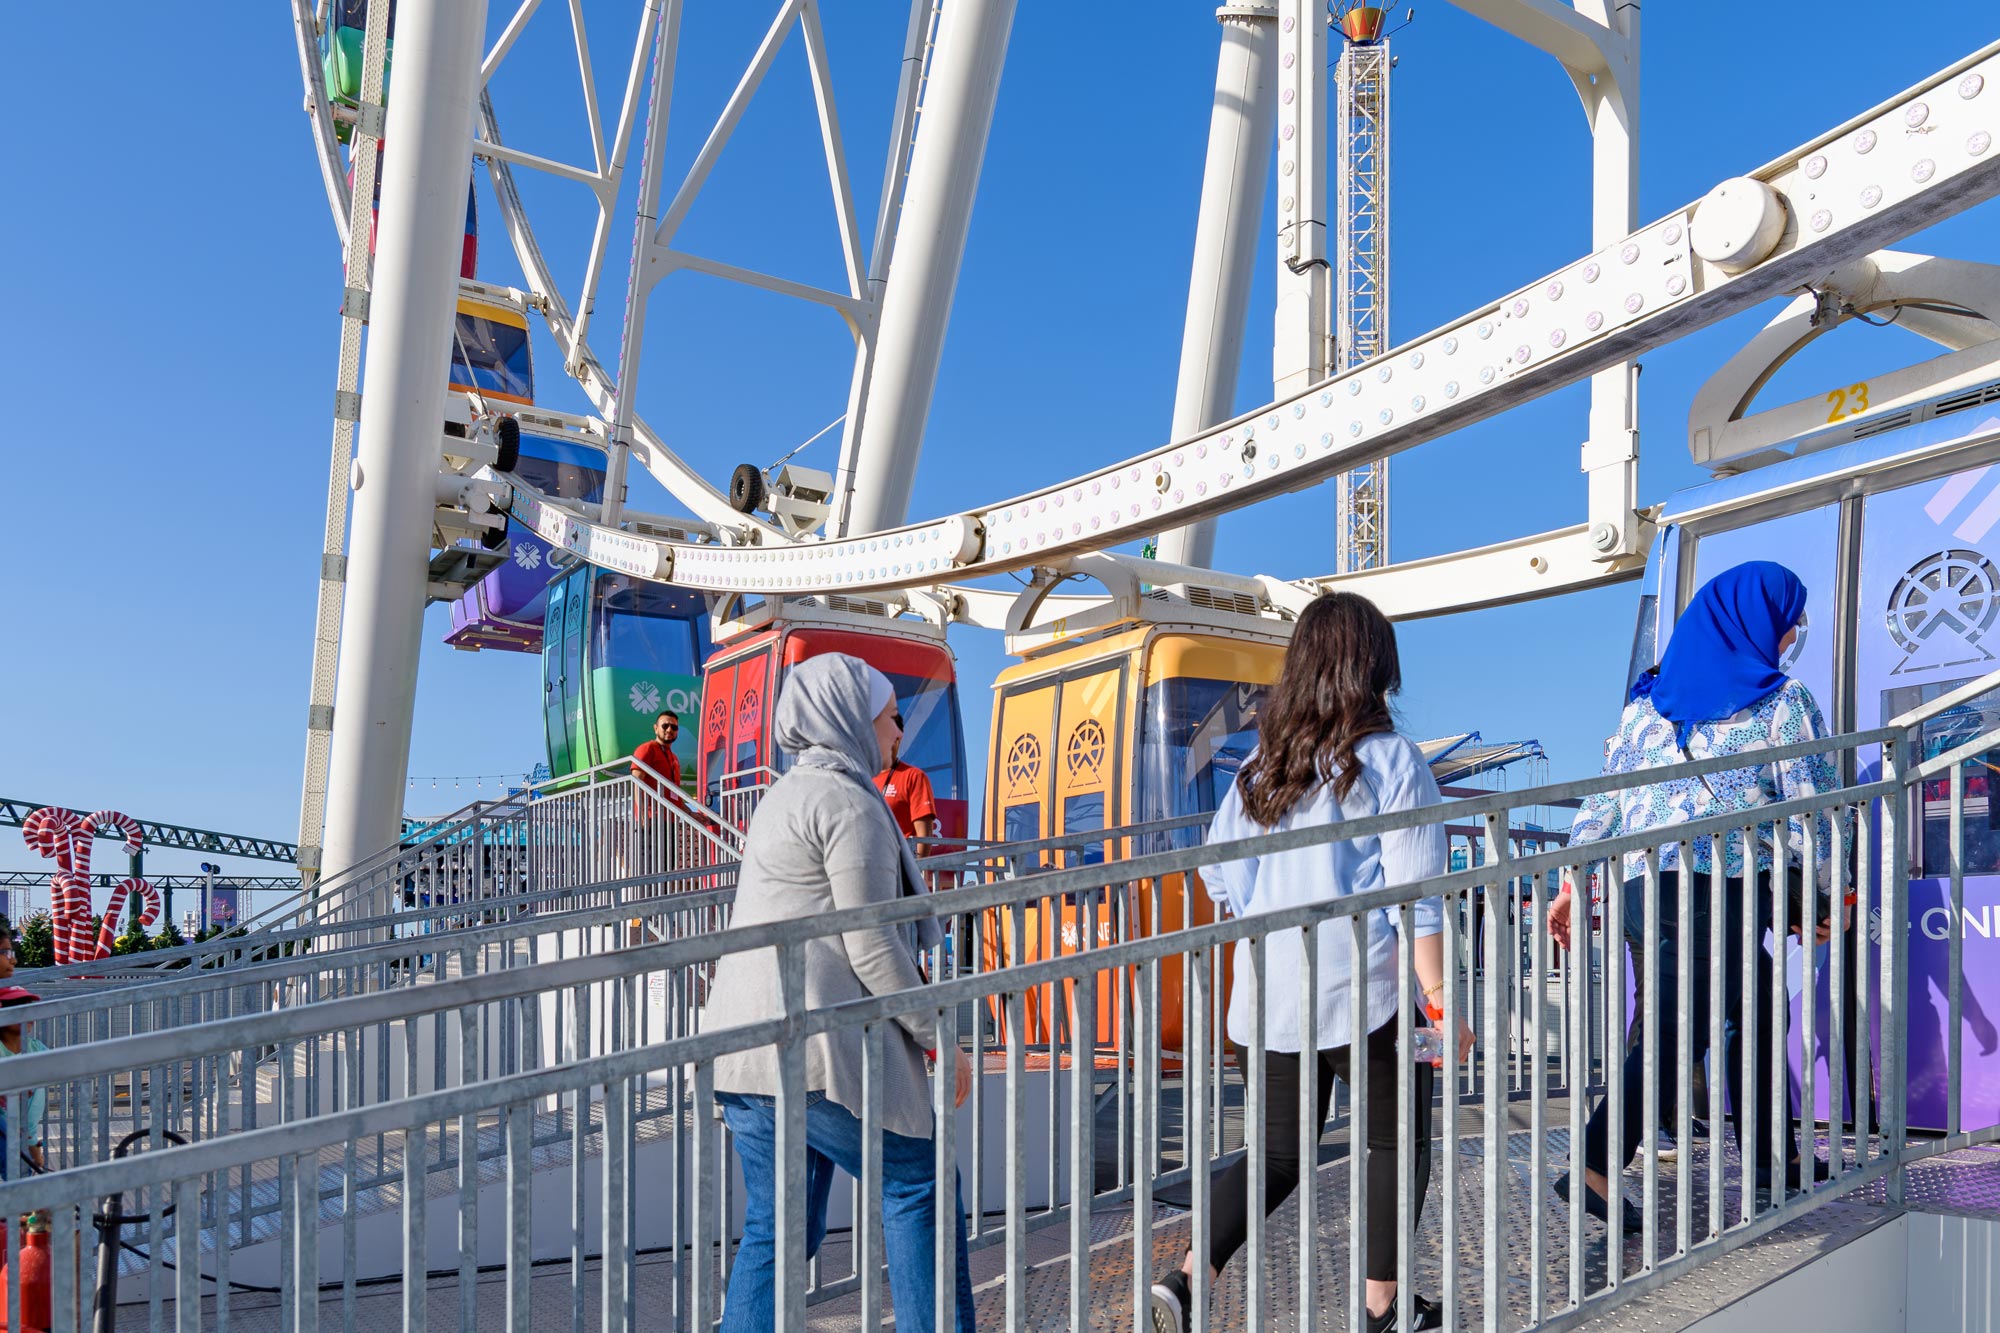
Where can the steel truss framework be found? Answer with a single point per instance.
(156, 834)
(1361, 280)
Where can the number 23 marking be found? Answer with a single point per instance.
(1849, 402)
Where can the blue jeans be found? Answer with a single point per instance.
(909, 1211)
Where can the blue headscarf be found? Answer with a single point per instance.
(1723, 656)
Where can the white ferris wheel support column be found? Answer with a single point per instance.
(1598, 45)
(880, 459)
(1225, 243)
(417, 251)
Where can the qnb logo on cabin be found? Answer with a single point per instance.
(1070, 934)
(646, 697)
(1084, 752)
(1941, 610)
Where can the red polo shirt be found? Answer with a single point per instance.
(907, 789)
(660, 760)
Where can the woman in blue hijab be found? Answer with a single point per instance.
(1720, 689)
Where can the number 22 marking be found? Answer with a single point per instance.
(1849, 402)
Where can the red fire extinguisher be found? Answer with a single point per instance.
(34, 1282)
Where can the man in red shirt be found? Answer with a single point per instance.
(655, 768)
(907, 789)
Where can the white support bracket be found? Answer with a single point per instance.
(1954, 303)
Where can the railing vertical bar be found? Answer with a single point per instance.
(1804, 1142)
(945, 1255)
(1780, 1013)
(1653, 1041)
(520, 1233)
(1083, 1113)
(1306, 1301)
(1895, 965)
(1718, 1053)
(187, 1257)
(1538, 1093)
(1255, 1141)
(1616, 1029)
(1954, 1024)
(1576, 1012)
(790, 1185)
(1448, 1020)
(1686, 885)
(1495, 1022)
(868, 1221)
(1205, 981)
(708, 1235)
(1358, 1030)
(1407, 1200)
(1749, 1132)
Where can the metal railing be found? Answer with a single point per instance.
(1551, 1037)
(573, 832)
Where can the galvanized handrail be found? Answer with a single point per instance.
(619, 1073)
(1504, 990)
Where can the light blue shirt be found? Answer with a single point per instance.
(1393, 777)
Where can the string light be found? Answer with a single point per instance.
(458, 780)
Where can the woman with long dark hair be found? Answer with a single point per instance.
(1327, 752)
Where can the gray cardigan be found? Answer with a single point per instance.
(820, 840)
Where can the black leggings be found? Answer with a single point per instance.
(1281, 1148)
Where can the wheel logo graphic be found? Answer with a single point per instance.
(749, 712)
(1085, 749)
(644, 697)
(717, 720)
(1024, 760)
(527, 555)
(1942, 608)
(1798, 648)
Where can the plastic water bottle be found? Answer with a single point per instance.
(1429, 1045)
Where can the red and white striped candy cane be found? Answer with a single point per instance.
(69, 901)
(52, 832)
(111, 823)
(114, 912)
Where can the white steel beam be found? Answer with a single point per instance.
(1521, 570)
(664, 23)
(1844, 195)
(1225, 242)
(916, 303)
(1302, 346)
(418, 241)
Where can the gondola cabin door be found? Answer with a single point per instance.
(1062, 769)
(735, 699)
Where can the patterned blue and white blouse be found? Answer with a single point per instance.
(1646, 740)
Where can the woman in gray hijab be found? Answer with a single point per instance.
(822, 839)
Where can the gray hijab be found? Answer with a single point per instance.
(824, 721)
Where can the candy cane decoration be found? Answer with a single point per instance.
(114, 912)
(66, 838)
(51, 832)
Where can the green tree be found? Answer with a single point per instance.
(37, 947)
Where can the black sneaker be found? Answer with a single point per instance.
(1171, 1302)
(1423, 1315)
(1822, 1171)
(1598, 1207)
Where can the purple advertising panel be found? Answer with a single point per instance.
(226, 907)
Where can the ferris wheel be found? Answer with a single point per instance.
(848, 533)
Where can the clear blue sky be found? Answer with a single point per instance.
(174, 278)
